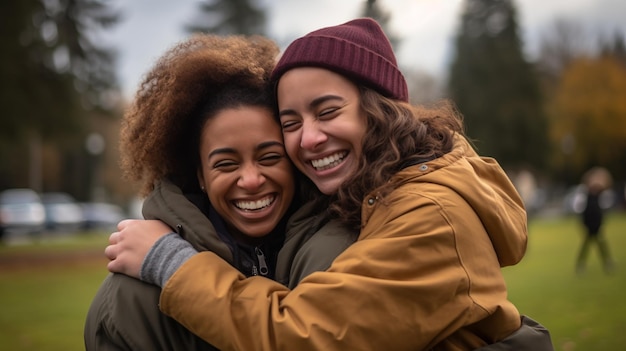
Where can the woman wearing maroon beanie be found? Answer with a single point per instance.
(436, 222)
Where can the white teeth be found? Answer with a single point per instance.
(255, 205)
(328, 162)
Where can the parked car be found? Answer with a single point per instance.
(101, 215)
(21, 210)
(62, 212)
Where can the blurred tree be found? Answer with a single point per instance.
(226, 17)
(52, 68)
(615, 47)
(495, 88)
(588, 116)
(564, 41)
(56, 73)
(80, 51)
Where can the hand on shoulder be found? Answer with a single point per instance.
(130, 244)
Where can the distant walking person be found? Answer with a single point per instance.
(597, 180)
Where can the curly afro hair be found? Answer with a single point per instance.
(160, 132)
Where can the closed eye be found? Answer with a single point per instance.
(328, 112)
(226, 165)
(290, 125)
(271, 159)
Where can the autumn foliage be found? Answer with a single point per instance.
(587, 115)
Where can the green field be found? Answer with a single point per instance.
(43, 304)
(583, 312)
(45, 291)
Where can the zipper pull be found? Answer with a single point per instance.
(263, 270)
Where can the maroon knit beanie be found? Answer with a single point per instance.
(357, 49)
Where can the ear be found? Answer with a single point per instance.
(200, 179)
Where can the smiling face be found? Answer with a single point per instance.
(245, 171)
(323, 125)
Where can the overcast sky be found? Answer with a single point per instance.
(427, 27)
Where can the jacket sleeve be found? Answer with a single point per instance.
(401, 286)
(124, 316)
(531, 336)
(105, 328)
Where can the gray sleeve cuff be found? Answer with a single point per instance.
(164, 258)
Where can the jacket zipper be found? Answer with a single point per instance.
(263, 270)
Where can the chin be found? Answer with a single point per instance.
(327, 188)
(261, 230)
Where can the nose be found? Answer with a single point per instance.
(251, 178)
(312, 135)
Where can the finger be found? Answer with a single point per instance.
(112, 266)
(123, 224)
(114, 238)
(111, 252)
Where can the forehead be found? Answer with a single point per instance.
(310, 81)
(239, 126)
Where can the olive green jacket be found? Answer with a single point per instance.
(312, 242)
(124, 314)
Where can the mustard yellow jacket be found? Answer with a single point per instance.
(424, 273)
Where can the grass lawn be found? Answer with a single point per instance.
(43, 304)
(582, 311)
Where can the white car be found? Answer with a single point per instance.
(21, 210)
(101, 216)
(63, 213)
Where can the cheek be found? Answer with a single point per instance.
(292, 145)
(281, 172)
(288, 176)
(212, 193)
(285, 177)
(215, 187)
(359, 144)
(360, 131)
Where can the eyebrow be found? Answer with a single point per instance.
(316, 102)
(230, 150)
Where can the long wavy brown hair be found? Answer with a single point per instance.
(161, 130)
(398, 134)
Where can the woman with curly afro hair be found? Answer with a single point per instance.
(202, 140)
